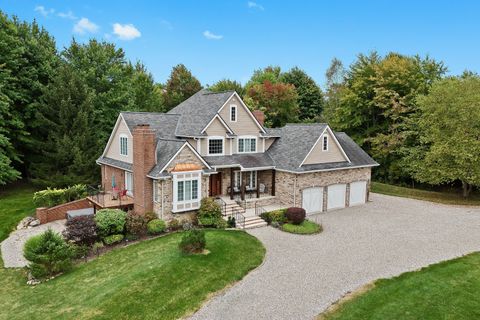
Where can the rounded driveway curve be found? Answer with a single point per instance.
(302, 275)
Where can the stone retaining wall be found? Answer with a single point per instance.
(60, 212)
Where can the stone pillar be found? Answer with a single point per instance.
(143, 161)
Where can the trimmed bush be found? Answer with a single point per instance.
(52, 197)
(295, 215)
(110, 221)
(135, 224)
(277, 216)
(48, 254)
(210, 213)
(193, 241)
(150, 215)
(81, 230)
(231, 222)
(156, 226)
(174, 225)
(114, 238)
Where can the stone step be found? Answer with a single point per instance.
(254, 224)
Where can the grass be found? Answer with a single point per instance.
(448, 290)
(15, 204)
(148, 280)
(306, 227)
(433, 196)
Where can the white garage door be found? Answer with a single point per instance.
(336, 196)
(312, 200)
(358, 191)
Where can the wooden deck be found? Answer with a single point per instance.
(107, 200)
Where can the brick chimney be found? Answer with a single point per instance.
(143, 161)
(259, 115)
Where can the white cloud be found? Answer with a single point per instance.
(166, 24)
(211, 36)
(126, 31)
(84, 26)
(43, 11)
(255, 5)
(67, 15)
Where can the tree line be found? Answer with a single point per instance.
(58, 107)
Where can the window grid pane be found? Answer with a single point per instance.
(233, 113)
(247, 145)
(123, 146)
(215, 146)
(194, 189)
(325, 143)
(188, 190)
(180, 191)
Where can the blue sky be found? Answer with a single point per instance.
(230, 39)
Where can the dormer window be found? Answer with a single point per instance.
(233, 113)
(215, 145)
(123, 145)
(325, 143)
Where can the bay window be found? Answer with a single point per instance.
(186, 191)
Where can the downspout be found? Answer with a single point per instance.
(161, 181)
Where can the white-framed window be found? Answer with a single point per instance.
(251, 179)
(123, 145)
(216, 145)
(129, 183)
(325, 143)
(156, 196)
(186, 191)
(247, 144)
(233, 113)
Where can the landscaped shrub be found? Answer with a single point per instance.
(174, 225)
(150, 215)
(82, 230)
(48, 254)
(193, 241)
(97, 248)
(52, 197)
(295, 215)
(110, 221)
(135, 224)
(80, 251)
(114, 238)
(231, 222)
(277, 216)
(306, 227)
(210, 213)
(156, 226)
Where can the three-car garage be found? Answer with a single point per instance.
(336, 196)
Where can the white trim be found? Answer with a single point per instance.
(175, 201)
(246, 108)
(120, 136)
(221, 121)
(247, 137)
(216, 138)
(180, 150)
(231, 146)
(320, 137)
(112, 134)
(263, 145)
(333, 169)
(236, 112)
(129, 192)
(199, 145)
(111, 165)
(323, 142)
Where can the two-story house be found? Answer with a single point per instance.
(213, 145)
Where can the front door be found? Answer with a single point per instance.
(215, 184)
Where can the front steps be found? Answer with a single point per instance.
(250, 221)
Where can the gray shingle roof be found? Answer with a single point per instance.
(115, 163)
(287, 153)
(164, 124)
(166, 149)
(247, 161)
(197, 111)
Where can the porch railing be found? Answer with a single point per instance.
(259, 209)
(239, 218)
(223, 205)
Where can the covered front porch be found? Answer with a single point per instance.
(241, 184)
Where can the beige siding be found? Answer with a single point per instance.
(333, 154)
(244, 125)
(113, 150)
(216, 128)
(269, 142)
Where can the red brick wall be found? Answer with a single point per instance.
(107, 173)
(60, 212)
(143, 162)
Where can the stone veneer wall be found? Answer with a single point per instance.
(289, 186)
(264, 177)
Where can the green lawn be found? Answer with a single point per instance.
(306, 227)
(15, 203)
(448, 290)
(440, 197)
(148, 280)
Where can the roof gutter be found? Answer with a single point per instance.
(332, 169)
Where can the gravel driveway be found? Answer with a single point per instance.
(12, 247)
(303, 275)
